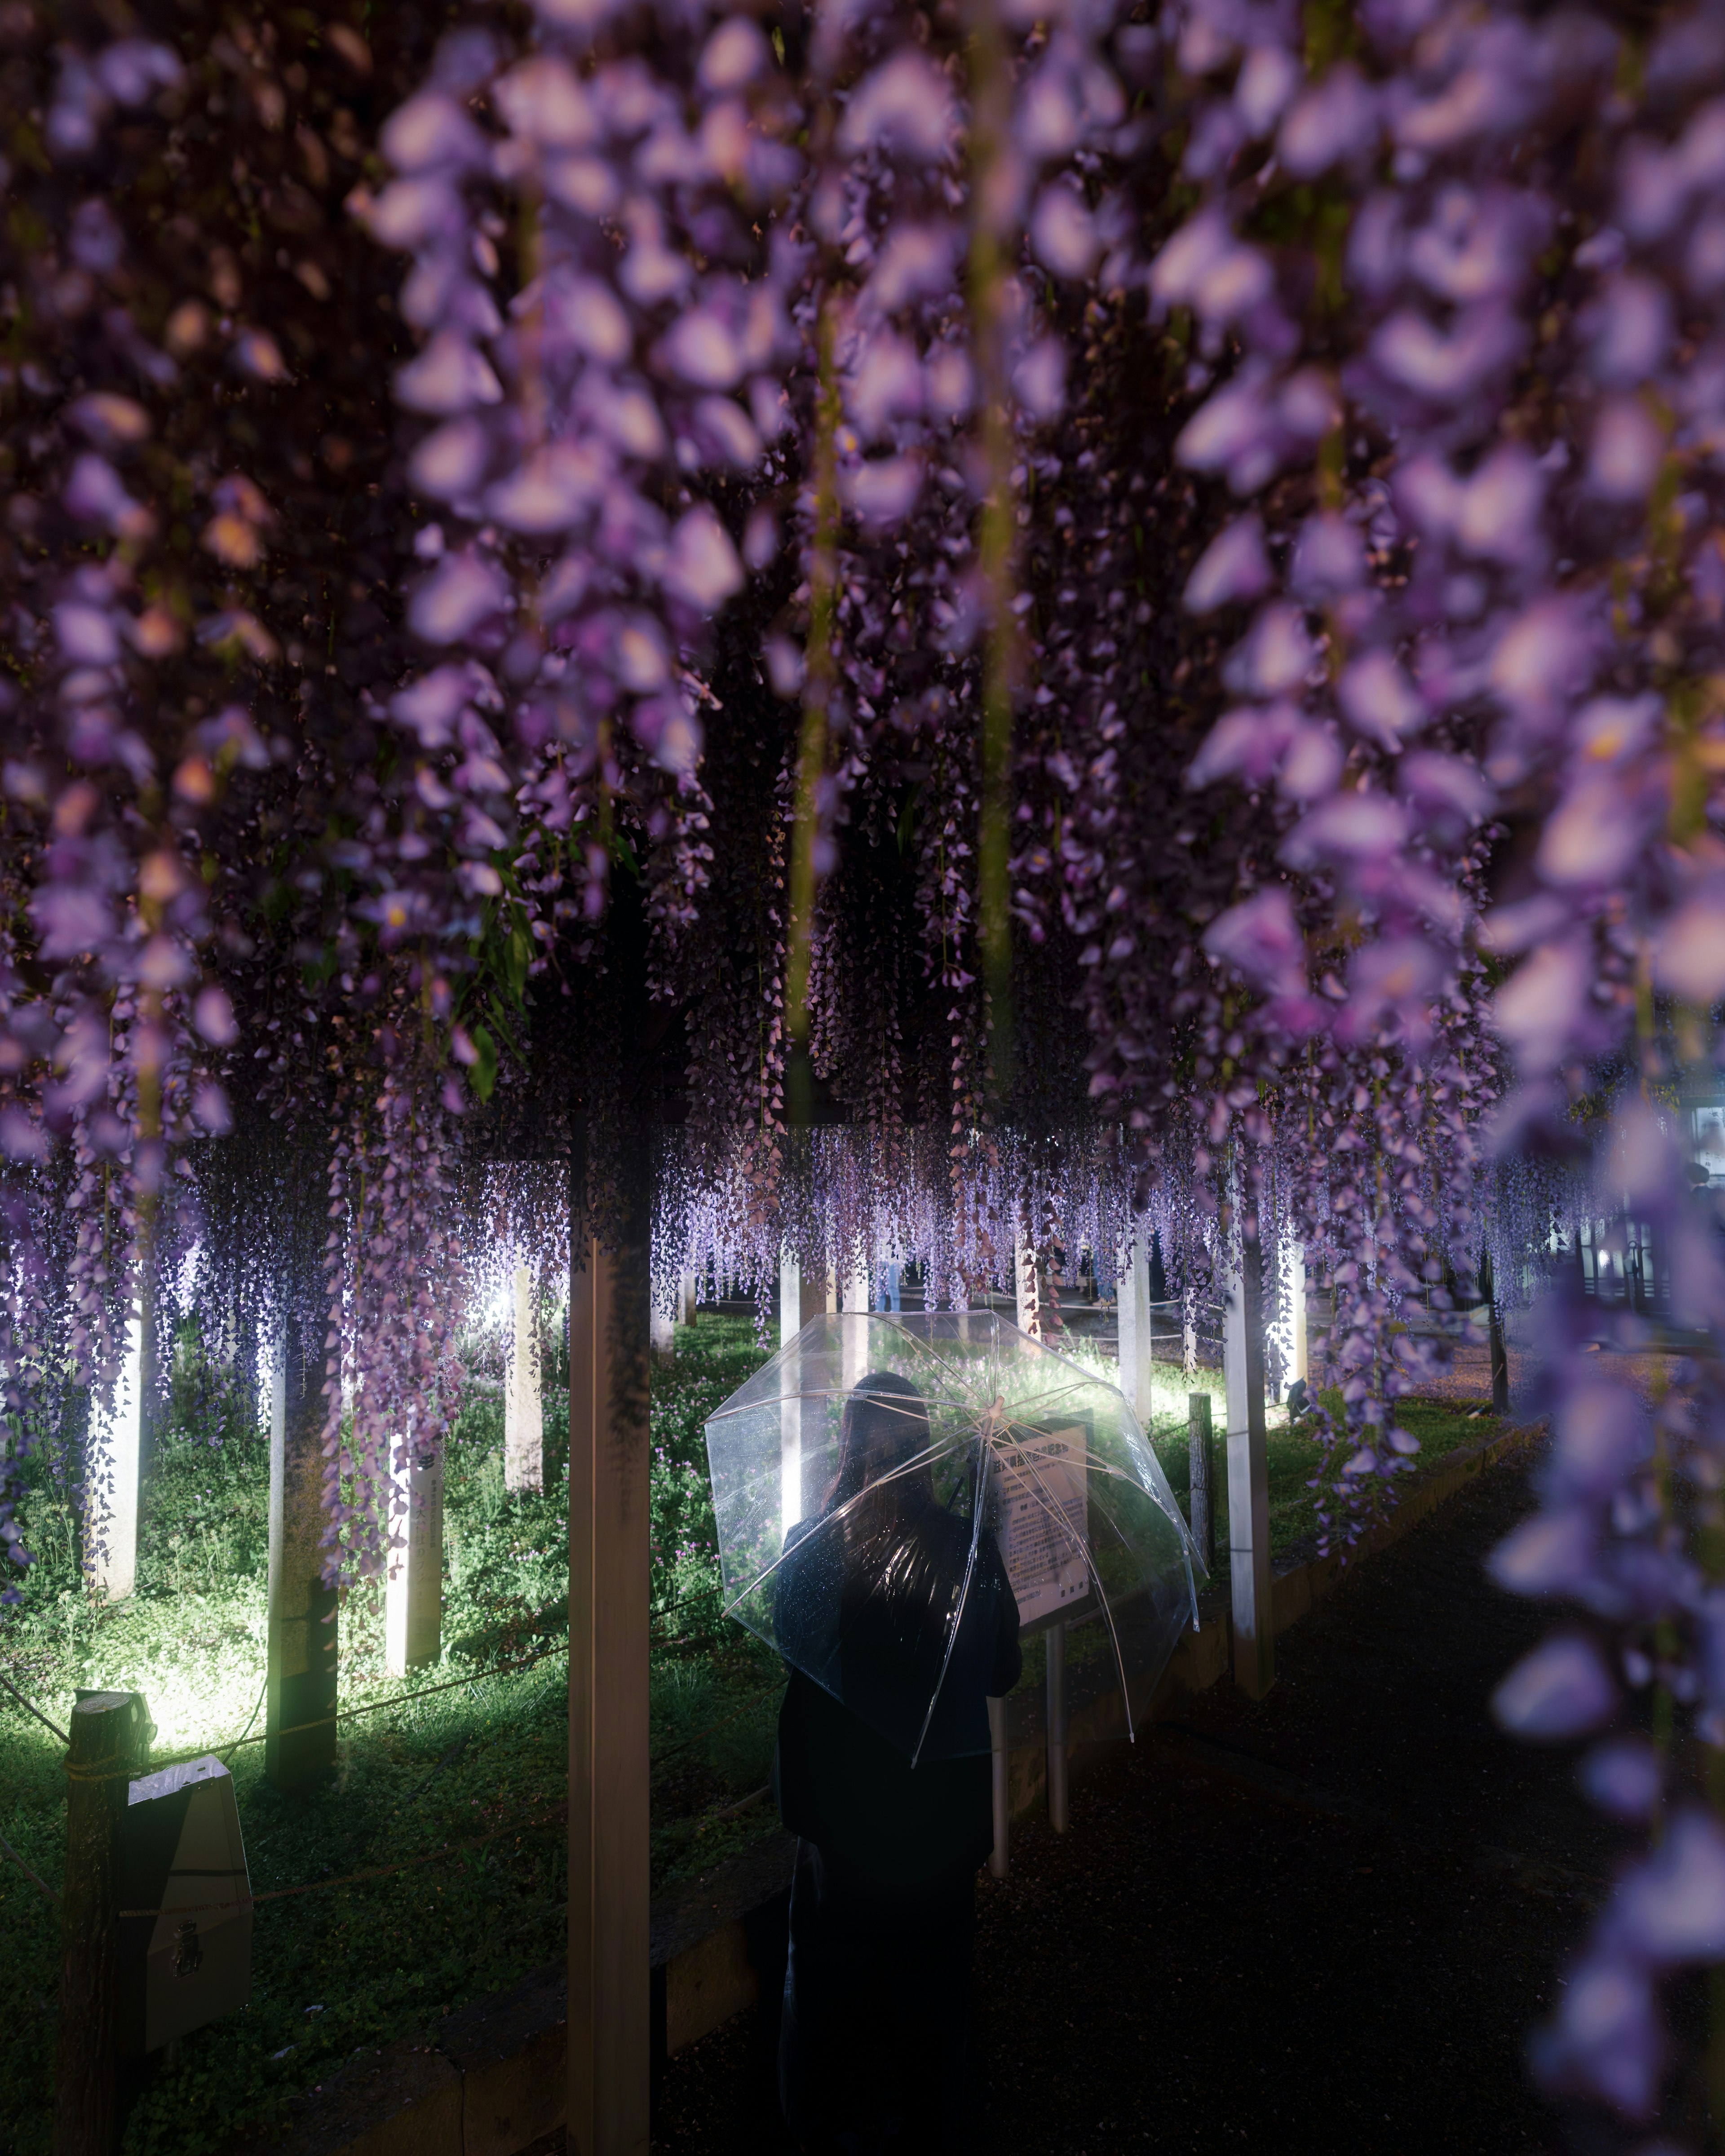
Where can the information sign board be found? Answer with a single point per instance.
(1042, 1508)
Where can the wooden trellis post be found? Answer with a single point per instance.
(300, 1705)
(609, 1451)
(1201, 1502)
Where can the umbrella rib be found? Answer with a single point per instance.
(976, 1524)
(882, 1400)
(1095, 1461)
(922, 1460)
(1058, 1514)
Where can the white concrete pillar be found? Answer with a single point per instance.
(802, 1297)
(1132, 1305)
(688, 1295)
(413, 1591)
(523, 1409)
(854, 1326)
(1027, 1290)
(113, 1474)
(790, 1299)
(1293, 1257)
(1248, 1473)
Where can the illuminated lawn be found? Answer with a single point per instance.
(351, 1967)
(355, 1966)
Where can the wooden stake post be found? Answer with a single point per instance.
(111, 1734)
(1201, 1504)
(300, 1725)
(608, 2031)
(1497, 1353)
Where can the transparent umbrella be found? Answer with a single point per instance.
(864, 1479)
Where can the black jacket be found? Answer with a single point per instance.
(874, 1626)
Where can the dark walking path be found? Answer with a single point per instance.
(1324, 1922)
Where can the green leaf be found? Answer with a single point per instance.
(517, 956)
(500, 1019)
(485, 1071)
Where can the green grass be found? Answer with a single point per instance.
(384, 1958)
(1442, 1427)
(381, 1958)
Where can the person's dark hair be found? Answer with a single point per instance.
(885, 1424)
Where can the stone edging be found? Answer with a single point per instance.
(489, 2081)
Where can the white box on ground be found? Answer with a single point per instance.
(181, 1855)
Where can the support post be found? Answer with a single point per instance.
(1027, 1291)
(1000, 1767)
(802, 1298)
(688, 1295)
(1299, 1370)
(414, 1594)
(114, 1452)
(1056, 1640)
(523, 1407)
(1248, 1476)
(1133, 1303)
(1201, 1503)
(111, 1734)
(299, 1691)
(609, 1453)
(1498, 1351)
(854, 1329)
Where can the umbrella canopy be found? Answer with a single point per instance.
(872, 1481)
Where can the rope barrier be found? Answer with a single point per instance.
(753, 1699)
(357, 1878)
(369, 1706)
(7, 1850)
(32, 1709)
(246, 1731)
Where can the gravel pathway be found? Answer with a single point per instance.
(1324, 1922)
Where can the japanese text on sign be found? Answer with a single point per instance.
(1043, 1520)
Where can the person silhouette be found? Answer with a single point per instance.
(882, 1772)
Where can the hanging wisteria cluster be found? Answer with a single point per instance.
(989, 629)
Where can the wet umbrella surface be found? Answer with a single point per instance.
(859, 1477)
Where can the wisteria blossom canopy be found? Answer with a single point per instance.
(883, 1479)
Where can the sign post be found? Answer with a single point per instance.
(1201, 1504)
(1042, 1501)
